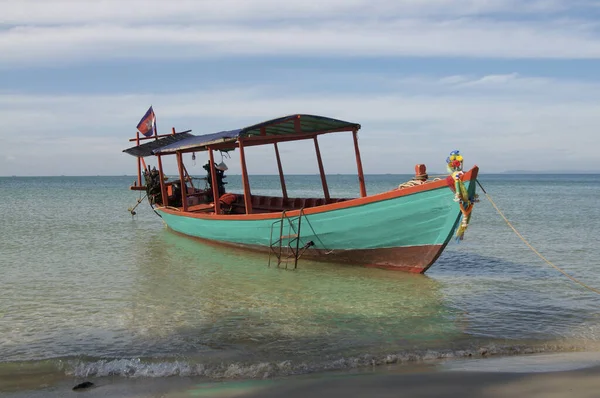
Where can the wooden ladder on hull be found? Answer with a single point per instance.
(292, 239)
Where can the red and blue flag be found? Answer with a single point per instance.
(147, 125)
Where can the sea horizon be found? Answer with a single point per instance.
(434, 173)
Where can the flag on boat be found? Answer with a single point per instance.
(147, 125)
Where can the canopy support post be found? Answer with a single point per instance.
(322, 171)
(188, 177)
(182, 179)
(213, 181)
(361, 176)
(281, 178)
(163, 188)
(245, 182)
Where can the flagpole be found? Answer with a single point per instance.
(139, 161)
(163, 188)
(155, 128)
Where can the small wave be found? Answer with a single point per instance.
(136, 367)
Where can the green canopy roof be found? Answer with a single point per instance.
(288, 125)
(308, 124)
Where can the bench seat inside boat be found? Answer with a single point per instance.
(269, 204)
(266, 204)
(202, 208)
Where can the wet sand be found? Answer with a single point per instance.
(552, 375)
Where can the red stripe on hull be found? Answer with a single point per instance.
(413, 259)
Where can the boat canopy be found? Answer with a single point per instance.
(284, 128)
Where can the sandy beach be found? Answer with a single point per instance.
(547, 375)
(575, 383)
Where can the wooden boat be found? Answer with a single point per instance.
(403, 229)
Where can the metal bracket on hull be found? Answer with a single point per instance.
(292, 239)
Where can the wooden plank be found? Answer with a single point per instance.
(204, 207)
(322, 171)
(157, 136)
(215, 186)
(184, 204)
(281, 177)
(245, 182)
(361, 176)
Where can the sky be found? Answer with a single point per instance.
(512, 84)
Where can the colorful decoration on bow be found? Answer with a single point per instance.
(454, 162)
(461, 195)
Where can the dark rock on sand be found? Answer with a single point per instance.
(83, 386)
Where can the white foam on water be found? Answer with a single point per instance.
(135, 367)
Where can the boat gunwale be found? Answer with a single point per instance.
(393, 194)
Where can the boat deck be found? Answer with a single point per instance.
(265, 204)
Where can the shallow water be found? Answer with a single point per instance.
(87, 290)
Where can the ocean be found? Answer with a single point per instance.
(87, 290)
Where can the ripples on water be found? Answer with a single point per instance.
(89, 291)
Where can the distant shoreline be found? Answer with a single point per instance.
(502, 173)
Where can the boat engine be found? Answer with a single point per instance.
(152, 180)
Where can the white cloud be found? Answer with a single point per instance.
(54, 31)
(501, 87)
(40, 12)
(501, 120)
(533, 123)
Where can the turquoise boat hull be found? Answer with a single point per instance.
(404, 229)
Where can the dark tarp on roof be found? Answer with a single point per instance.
(309, 124)
(200, 141)
(148, 148)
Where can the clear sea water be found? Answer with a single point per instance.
(88, 291)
